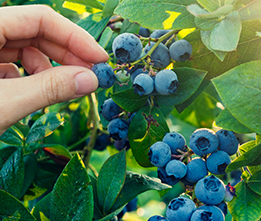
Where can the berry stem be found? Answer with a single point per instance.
(93, 113)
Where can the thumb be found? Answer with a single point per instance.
(24, 95)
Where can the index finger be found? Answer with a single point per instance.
(34, 21)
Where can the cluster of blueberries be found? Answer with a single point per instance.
(128, 48)
(213, 152)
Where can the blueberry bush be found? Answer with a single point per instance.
(177, 111)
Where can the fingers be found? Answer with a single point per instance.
(26, 95)
(38, 21)
(9, 71)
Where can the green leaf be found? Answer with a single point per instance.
(71, 197)
(201, 13)
(147, 127)
(254, 182)
(250, 158)
(12, 173)
(248, 50)
(30, 169)
(93, 24)
(109, 7)
(88, 3)
(189, 80)
(110, 180)
(129, 27)
(111, 215)
(105, 37)
(136, 184)
(246, 206)
(227, 121)
(203, 111)
(21, 129)
(225, 35)
(242, 84)
(44, 126)
(206, 24)
(249, 9)
(97, 210)
(12, 208)
(205, 37)
(128, 100)
(211, 5)
(5, 153)
(167, 14)
(11, 137)
(42, 208)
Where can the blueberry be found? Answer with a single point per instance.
(122, 76)
(175, 141)
(180, 209)
(235, 177)
(144, 32)
(217, 162)
(203, 141)
(110, 109)
(118, 129)
(159, 154)
(210, 190)
(132, 205)
(121, 144)
(160, 56)
(136, 72)
(201, 215)
(180, 50)
(157, 218)
(105, 75)
(102, 142)
(176, 168)
(197, 169)
(127, 47)
(159, 33)
(223, 207)
(216, 213)
(166, 82)
(143, 84)
(227, 141)
(163, 176)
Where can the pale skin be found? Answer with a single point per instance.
(32, 34)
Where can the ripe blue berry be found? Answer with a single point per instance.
(217, 162)
(175, 141)
(118, 129)
(227, 141)
(180, 209)
(105, 75)
(163, 176)
(143, 84)
(121, 144)
(160, 56)
(166, 82)
(176, 168)
(207, 213)
(144, 32)
(210, 190)
(109, 109)
(136, 72)
(102, 142)
(217, 214)
(223, 207)
(203, 141)
(159, 33)
(127, 47)
(197, 169)
(157, 218)
(159, 154)
(180, 50)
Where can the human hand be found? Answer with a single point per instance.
(33, 34)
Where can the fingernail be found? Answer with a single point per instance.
(86, 82)
(103, 50)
